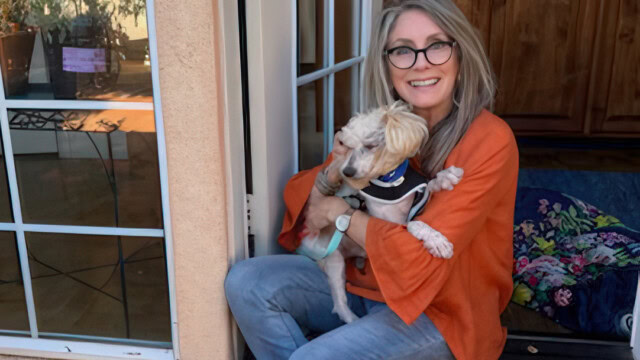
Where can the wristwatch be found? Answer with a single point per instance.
(343, 221)
(342, 224)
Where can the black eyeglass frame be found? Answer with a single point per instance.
(416, 52)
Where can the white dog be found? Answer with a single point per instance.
(380, 142)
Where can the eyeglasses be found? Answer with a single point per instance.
(404, 57)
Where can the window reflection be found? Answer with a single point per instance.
(5, 204)
(345, 38)
(310, 124)
(79, 288)
(310, 36)
(95, 168)
(13, 309)
(345, 97)
(77, 49)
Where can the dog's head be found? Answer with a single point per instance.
(379, 141)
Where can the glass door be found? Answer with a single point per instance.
(329, 61)
(304, 66)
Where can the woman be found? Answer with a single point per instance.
(411, 305)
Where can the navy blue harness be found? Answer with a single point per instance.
(396, 185)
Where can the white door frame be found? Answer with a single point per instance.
(235, 176)
(273, 154)
(233, 130)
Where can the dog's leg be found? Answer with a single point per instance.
(334, 267)
(445, 179)
(437, 244)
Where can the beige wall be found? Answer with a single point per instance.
(192, 103)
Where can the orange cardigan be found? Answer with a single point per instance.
(464, 295)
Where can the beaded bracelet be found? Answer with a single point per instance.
(326, 187)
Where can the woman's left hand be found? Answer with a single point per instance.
(324, 211)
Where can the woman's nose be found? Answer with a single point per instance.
(421, 61)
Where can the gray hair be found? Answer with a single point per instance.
(474, 90)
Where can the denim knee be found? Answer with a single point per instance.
(313, 351)
(238, 280)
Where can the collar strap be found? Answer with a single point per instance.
(395, 174)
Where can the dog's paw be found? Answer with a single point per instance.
(436, 243)
(345, 314)
(440, 247)
(446, 179)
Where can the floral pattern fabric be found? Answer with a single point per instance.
(562, 245)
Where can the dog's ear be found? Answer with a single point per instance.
(405, 131)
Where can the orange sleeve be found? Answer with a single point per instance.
(408, 276)
(296, 193)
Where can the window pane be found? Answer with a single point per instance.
(77, 50)
(346, 96)
(345, 37)
(5, 204)
(13, 311)
(310, 36)
(310, 124)
(96, 168)
(79, 289)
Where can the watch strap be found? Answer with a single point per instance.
(334, 243)
(337, 235)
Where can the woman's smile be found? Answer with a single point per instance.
(424, 82)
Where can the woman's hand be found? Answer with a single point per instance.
(323, 211)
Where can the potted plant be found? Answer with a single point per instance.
(51, 18)
(16, 46)
(83, 42)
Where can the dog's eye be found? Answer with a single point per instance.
(370, 147)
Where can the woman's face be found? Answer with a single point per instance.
(432, 100)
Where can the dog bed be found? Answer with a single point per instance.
(574, 263)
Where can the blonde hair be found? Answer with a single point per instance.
(405, 134)
(474, 90)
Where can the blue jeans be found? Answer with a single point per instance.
(278, 299)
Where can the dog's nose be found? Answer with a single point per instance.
(349, 171)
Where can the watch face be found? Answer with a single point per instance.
(342, 222)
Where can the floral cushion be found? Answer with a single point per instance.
(563, 249)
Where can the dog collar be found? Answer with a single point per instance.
(395, 174)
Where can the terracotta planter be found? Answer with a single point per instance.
(16, 50)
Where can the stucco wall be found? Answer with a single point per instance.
(188, 56)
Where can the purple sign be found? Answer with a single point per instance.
(83, 60)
